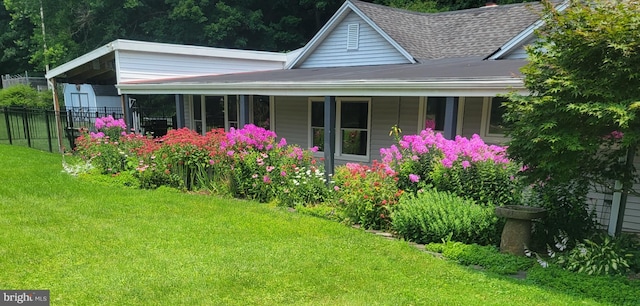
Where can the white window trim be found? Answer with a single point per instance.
(339, 102)
(338, 141)
(484, 124)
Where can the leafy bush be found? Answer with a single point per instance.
(567, 212)
(601, 256)
(432, 215)
(302, 186)
(616, 290)
(489, 257)
(365, 194)
(102, 149)
(25, 96)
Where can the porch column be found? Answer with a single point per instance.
(128, 115)
(244, 111)
(329, 135)
(179, 112)
(451, 117)
(56, 107)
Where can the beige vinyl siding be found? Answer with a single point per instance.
(136, 65)
(519, 52)
(384, 115)
(291, 120)
(472, 118)
(373, 49)
(409, 115)
(601, 203)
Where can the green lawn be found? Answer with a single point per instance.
(93, 244)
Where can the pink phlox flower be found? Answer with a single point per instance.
(465, 164)
(414, 178)
(266, 179)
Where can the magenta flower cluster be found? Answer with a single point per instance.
(251, 136)
(108, 122)
(461, 149)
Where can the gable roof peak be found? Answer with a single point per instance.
(463, 33)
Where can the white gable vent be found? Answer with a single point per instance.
(353, 32)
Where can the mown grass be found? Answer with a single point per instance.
(91, 244)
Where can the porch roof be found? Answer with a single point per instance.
(458, 76)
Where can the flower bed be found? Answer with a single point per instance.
(251, 163)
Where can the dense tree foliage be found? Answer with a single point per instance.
(581, 118)
(74, 27)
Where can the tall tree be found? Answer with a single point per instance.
(581, 120)
(14, 34)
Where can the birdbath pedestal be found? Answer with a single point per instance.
(517, 231)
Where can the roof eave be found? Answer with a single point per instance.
(522, 37)
(442, 87)
(86, 58)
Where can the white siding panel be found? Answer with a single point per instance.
(520, 52)
(292, 120)
(384, 115)
(373, 49)
(409, 115)
(601, 203)
(472, 116)
(136, 66)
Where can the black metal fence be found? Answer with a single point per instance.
(36, 128)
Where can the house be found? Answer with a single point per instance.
(368, 69)
(123, 61)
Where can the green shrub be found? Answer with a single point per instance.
(365, 194)
(567, 212)
(301, 186)
(25, 96)
(601, 256)
(430, 216)
(488, 257)
(616, 290)
(483, 181)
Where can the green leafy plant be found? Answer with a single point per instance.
(616, 290)
(431, 215)
(601, 256)
(488, 257)
(25, 96)
(366, 194)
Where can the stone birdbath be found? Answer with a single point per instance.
(517, 231)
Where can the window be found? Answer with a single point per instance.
(261, 112)
(436, 107)
(214, 112)
(317, 125)
(496, 124)
(352, 126)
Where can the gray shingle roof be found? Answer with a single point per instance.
(464, 33)
(451, 68)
